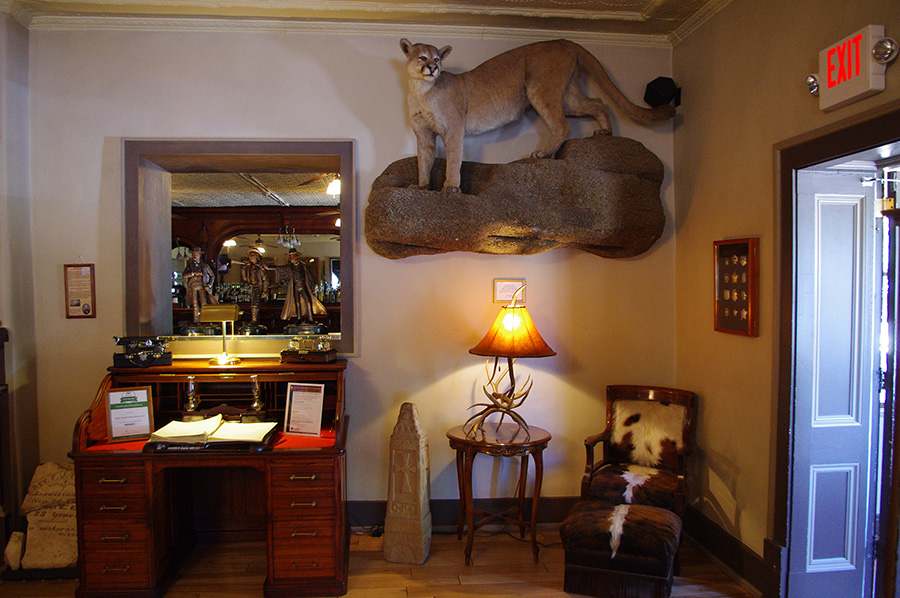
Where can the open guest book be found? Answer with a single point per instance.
(211, 433)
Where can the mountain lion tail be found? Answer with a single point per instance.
(589, 65)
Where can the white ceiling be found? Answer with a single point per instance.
(669, 20)
(266, 189)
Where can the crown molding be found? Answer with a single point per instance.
(697, 19)
(16, 11)
(197, 24)
(330, 8)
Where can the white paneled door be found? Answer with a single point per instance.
(838, 298)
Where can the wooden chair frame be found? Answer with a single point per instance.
(659, 394)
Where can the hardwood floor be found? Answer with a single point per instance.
(502, 567)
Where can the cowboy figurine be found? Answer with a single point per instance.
(298, 304)
(254, 274)
(198, 280)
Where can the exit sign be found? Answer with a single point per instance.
(847, 72)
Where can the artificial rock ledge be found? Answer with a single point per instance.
(599, 194)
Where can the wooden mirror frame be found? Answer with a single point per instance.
(148, 165)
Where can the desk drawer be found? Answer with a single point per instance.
(302, 474)
(118, 537)
(113, 569)
(303, 534)
(113, 508)
(295, 505)
(293, 562)
(120, 481)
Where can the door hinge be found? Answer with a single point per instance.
(876, 548)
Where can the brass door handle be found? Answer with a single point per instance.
(113, 507)
(304, 534)
(115, 538)
(310, 478)
(124, 569)
(311, 565)
(303, 504)
(113, 480)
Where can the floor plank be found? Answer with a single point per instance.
(502, 567)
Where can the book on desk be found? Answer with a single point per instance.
(211, 433)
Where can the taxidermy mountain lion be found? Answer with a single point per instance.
(542, 75)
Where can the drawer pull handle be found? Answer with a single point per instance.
(123, 538)
(226, 376)
(124, 569)
(113, 480)
(311, 565)
(303, 504)
(304, 534)
(310, 478)
(113, 507)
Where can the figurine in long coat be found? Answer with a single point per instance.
(298, 304)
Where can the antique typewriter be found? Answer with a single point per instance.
(141, 352)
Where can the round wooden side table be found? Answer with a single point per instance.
(505, 440)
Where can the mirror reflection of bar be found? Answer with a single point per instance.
(155, 218)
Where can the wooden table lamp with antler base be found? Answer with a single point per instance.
(512, 335)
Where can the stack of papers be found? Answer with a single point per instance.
(212, 430)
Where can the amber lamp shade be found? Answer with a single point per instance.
(513, 334)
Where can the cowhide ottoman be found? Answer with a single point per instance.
(620, 551)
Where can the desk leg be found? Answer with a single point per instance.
(538, 477)
(460, 480)
(470, 504)
(520, 493)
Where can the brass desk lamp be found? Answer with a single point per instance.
(224, 313)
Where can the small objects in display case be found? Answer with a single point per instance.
(737, 286)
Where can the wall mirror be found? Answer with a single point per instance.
(226, 197)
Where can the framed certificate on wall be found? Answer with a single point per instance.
(80, 295)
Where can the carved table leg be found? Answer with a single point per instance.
(470, 504)
(520, 493)
(538, 456)
(460, 479)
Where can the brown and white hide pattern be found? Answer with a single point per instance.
(624, 531)
(634, 484)
(647, 433)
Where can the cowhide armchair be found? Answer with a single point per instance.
(647, 437)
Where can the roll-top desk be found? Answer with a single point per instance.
(136, 517)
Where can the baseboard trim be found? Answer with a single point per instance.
(731, 552)
(369, 514)
(728, 550)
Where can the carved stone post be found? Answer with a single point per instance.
(407, 528)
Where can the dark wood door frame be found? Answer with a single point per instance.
(858, 133)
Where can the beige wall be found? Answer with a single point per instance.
(609, 321)
(16, 280)
(743, 84)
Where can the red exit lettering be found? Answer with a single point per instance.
(847, 64)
